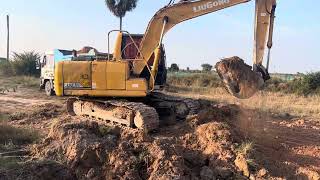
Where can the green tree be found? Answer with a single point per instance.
(206, 67)
(25, 63)
(120, 7)
(174, 67)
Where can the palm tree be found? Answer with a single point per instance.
(120, 7)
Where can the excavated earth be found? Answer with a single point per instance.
(208, 145)
(200, 147)
(238, 77)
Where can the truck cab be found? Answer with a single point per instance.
(48, 62)
(51, 58)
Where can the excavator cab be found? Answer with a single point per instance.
(130, 45)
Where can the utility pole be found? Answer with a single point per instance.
(8, 37)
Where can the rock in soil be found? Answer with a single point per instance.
(242, 165)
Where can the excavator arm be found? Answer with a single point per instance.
(171, 15)
(264, 22)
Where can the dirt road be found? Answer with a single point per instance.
(24, 99)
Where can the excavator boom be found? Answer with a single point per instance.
(175, 14)
(171, 15)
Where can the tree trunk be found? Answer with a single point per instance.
(120, 23)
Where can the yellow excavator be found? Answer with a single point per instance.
(123, 87)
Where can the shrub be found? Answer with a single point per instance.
(6, 68)
(308, 84)
(206, 67)
(174, 67)
(21, 64)
(25, 63)
(276, 84)
(195, 80)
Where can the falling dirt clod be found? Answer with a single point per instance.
(238, 77)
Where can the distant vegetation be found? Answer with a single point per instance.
(174, 68)
(303, 85)
(189, 79)
(306, 84)
(206, 67)
(21, 64)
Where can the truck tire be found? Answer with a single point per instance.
(48, 88)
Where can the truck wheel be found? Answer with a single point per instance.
(48, 89)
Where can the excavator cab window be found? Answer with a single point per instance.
(130, 52)
(128, 48)
(44, 61)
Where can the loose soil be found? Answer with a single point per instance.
(238, 77)
(205, 146)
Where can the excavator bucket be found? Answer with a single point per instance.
(239, 78)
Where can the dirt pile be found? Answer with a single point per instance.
(238, 77)
(39, 117)
(200, 147)
(82, 146)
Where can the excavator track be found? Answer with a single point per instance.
(145, 116)
(182, 107)
(130, 114)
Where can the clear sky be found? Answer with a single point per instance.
(43, 25)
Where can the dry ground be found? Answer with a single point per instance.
(284, 128)
(277, 135)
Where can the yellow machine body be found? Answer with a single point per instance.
(138, 73)
(97, 79)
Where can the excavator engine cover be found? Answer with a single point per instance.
(239, 78)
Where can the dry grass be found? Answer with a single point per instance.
(245, 148)
(21, 81)
(270, 102)
(11, 136)
(17, 136)
(12, 139)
